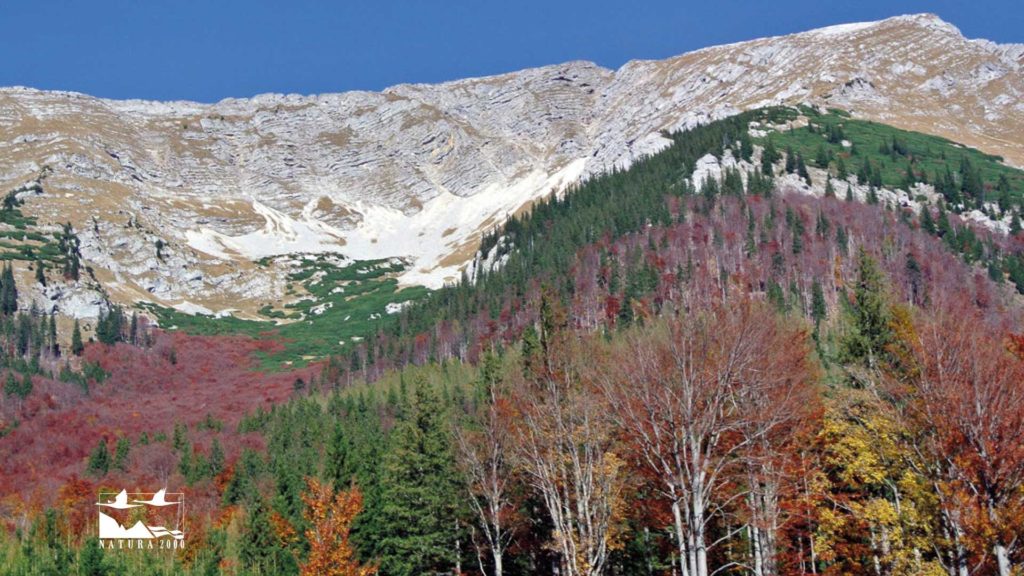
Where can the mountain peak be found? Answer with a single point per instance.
(419, 171)
(927, 20)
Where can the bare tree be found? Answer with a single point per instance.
(484, 446)
(969, 405)
(565, 445)
(695, 396)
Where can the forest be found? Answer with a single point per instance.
(663, 377)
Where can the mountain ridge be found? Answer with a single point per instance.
(419, 171)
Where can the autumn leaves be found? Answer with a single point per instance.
(702, 409)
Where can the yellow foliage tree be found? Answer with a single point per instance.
(878, 512)
(330, 515)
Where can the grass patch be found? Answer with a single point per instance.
(928, 156)
(340, 302)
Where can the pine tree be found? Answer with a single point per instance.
(830, 191)
(801, 170)
(121, 450)
(90, 558)
(99, 460)
(870, 330)
(818, 308)
(8, 292)
(40, 273)
(419, 492)
(76, 340)
(216, 458)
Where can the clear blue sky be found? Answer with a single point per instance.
(213, 49)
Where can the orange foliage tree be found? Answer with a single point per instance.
(969, 404)
(701, 395)
(330, 515)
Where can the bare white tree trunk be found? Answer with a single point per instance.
(1003, 560)
(566, 450)
(677, 518)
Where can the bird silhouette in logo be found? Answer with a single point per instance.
(158, 499)
(120, 502)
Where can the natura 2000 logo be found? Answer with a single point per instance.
(141, 520)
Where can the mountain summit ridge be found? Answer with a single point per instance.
(419, 171)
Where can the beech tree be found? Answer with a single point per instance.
(699, 393)
(566, 446)
(969, 403)
(483, 448)
(330, 515)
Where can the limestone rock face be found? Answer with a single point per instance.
(419, 171)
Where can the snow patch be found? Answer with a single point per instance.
(445, 224)
(192, 308)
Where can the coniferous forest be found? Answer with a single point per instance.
(644, 375)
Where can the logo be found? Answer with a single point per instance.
(141, 520)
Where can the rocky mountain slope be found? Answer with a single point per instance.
(176, 202)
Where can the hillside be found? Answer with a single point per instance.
(821, 361)
(178, 203)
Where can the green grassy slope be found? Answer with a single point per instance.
(341, 303)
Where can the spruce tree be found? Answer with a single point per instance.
(927, 222)
(69, 246)
(821, 157)
(8, 292)
(830, 191)
(76, 340)
(769, 156)
(11, 386)
(261, 551)
(818, 308)
(99, 460)
(870, 331)
(90, 559)
(121, 450)
(26, 386)
(216, 458)
(419, 492)
(52, 330)
(801, 170)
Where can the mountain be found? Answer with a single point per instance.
(185, 204)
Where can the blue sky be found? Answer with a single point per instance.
(209, 50)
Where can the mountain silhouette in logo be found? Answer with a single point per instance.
(111, 528)
(160, 532)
